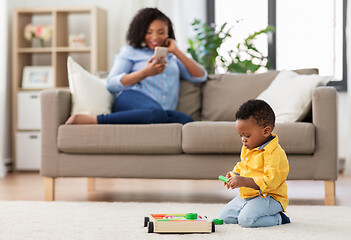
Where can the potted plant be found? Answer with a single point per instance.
(242, 58)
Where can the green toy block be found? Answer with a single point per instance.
(223, 178)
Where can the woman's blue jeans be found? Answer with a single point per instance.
(252, 212)
(134, 107)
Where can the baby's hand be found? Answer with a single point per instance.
(226, 183)
(236, 182)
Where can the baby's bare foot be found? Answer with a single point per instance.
(82, 119)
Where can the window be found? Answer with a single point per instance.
(309, 34)
(245, 20)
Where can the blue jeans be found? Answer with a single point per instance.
(252, 212)
(134, 107)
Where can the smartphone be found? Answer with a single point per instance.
(160, 52)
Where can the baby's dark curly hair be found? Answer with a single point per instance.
(259, 110)
(140, 24)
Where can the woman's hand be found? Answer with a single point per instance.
(195, 69)
(171, 46)
(154, 66)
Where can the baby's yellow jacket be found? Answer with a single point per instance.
(269, 168)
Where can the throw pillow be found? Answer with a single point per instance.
(290, 94)
(89, 93)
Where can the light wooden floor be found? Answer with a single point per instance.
(29, 186)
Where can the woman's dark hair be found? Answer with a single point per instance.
(141, 22)
(259, 110)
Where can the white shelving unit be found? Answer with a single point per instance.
(26, 118)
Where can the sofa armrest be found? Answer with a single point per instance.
(324, 118)
(55, 110)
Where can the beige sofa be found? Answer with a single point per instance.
(198, 150)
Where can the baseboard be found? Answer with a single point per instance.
(342, 165)
(8, 164)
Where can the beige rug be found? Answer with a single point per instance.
(103, 221)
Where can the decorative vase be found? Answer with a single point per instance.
(38, 42)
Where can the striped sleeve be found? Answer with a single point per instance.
(184, 74)
(121, 66)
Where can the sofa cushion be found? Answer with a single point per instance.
(189, 100)
(222, 97)
(133, 139)
(190, 97)
(210, 137)
(222, 137)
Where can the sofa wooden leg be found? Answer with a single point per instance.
(91, 184)
(49, 189)
(329, 188)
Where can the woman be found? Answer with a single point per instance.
(146, 89)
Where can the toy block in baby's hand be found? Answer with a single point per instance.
(223, 178)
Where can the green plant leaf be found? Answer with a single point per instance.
(204, 48)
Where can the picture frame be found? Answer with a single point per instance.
(34, 77)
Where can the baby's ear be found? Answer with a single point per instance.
(267, 131)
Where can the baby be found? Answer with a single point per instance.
(261, 174)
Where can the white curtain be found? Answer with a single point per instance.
(5, 140)
(347, 170)
(182, 13)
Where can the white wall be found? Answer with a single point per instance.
(3, 82)
(343, 124)
(347, 109)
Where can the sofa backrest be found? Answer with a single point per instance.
(190, 99)
(219, 98)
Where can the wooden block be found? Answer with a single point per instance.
(177, 223)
